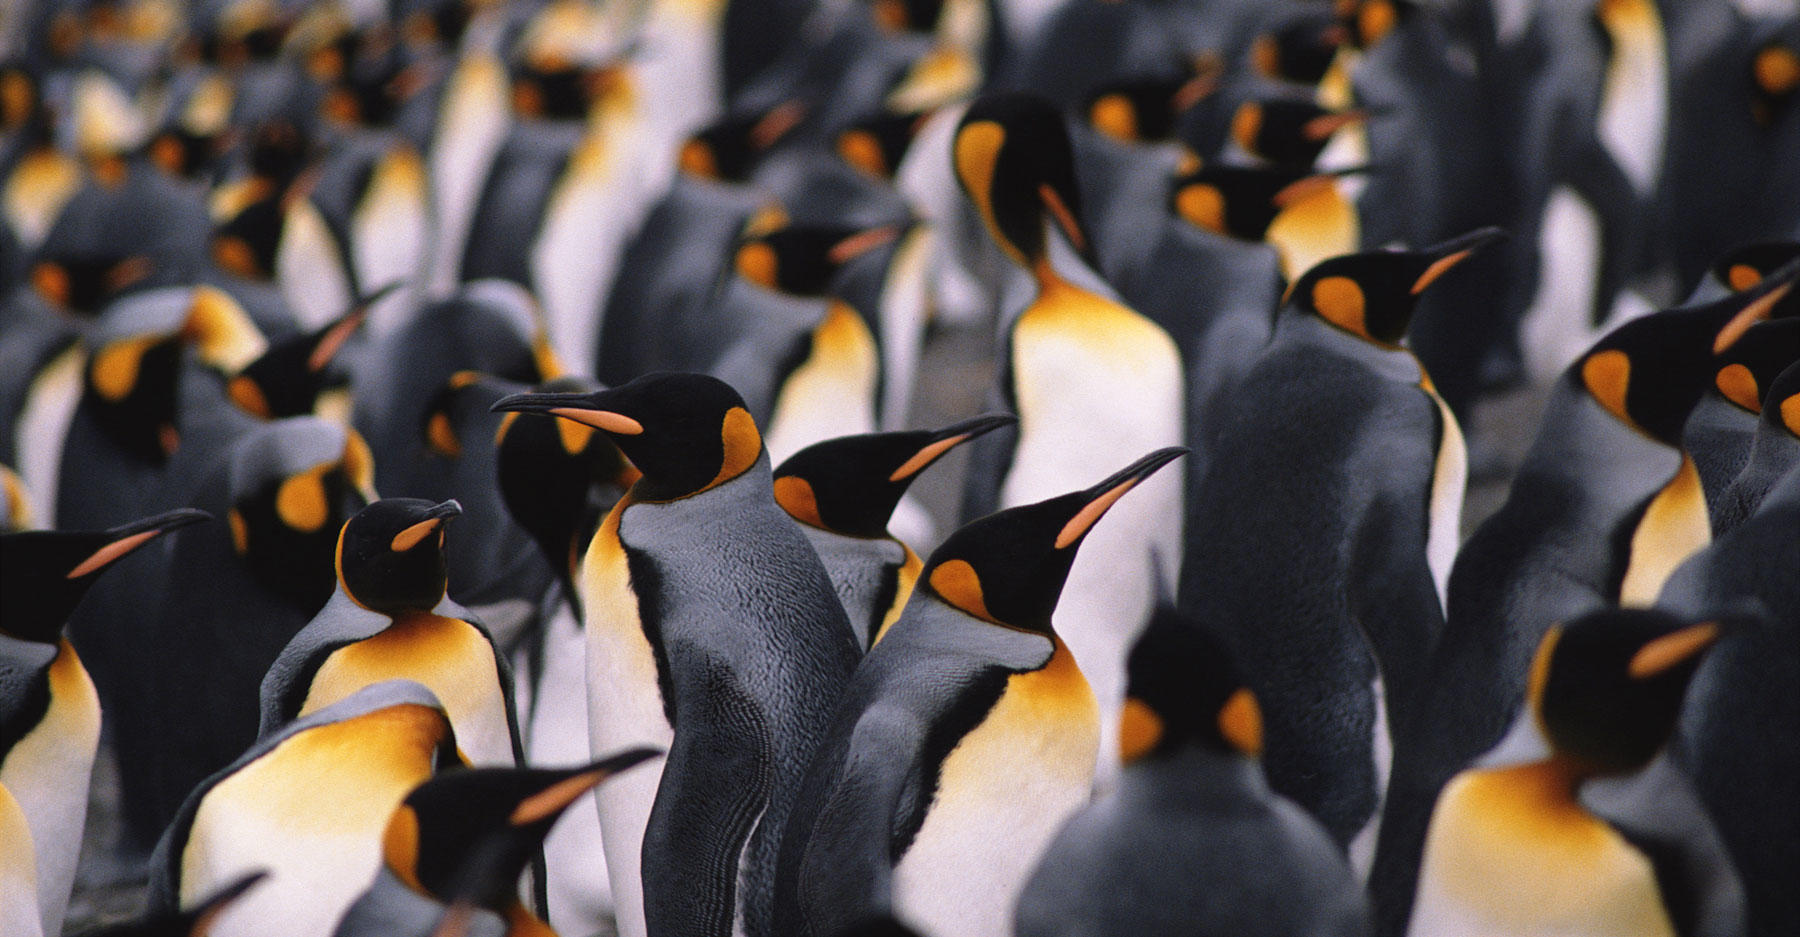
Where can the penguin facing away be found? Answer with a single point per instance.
(1192, 841)
(1510, 850)
(963, 740)
(1088, 377)
(843, 491)
(49, 710)
(712, 630)
(389, 619)
(467, 836)
(308, 802)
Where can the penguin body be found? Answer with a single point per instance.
(917, 803)
(699, 541)
(1088, 377)
(1510, 849)
(389, 619)
(43, 359)
(1602, 511)
(1722, 429)
(364, 224)
(1774, 451)
(1192, 841)
(49, 709)
(843, 492)
(343, 768)
(1331, 390)
(1738, 743)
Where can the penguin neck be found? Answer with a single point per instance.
(1060, 269)
(1552, 781)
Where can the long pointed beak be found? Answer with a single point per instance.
(949, 438)
(577, 407)
(561, 793)
(1101, 497)
(128, 537)
(445, 511)
(1453, 252)
(1759, 302)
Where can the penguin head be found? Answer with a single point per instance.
(1745, 267)
(685, 432)
(1781, 403)
(1372, 294)
(1242, 201)
(1300, 46)
(390, 555)
(555, 476)
(293, 483)
(21, 97)
(1182, 689)
(288, 378)
(802, 260)
(46, 572)
(729, 150)
(133, 386)
(907, 16)
(245, 244)
(196, 921)
(1009, 567)
(1370, 21)
(1650, 372)
(851, 485)
(1147, 109)
(1747, 370)
(84, 282)
(468, 834)
(1606, 688)
(1014, 162)
(877, 144)
(1287, 132)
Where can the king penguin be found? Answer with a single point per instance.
(49, 711)
(309, 803)
(713, 631)
(389, 619)
(194, 921)
(1343, 560)
(1192, 842)
(1602, 511)
(964, 740)
(844, 491)
(1089, 379)
(1510, 850)
(467, 836)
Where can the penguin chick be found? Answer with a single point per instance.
(844, 491)
(713, 630)
(467, 836)
(389, 619)
(49, 710)
(308, 802)
(963, 741)
(1192, 842)
(1511, 850)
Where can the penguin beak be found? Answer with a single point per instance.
(553, 799)
(1661, 654)
(577, 407)
(333, 337)
(949, 438)
(1323, 126)
(1452, 252)
(1760, 302)
(435, 517)
(1101, 497)
(123, 539)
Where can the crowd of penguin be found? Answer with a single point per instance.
(457, 453)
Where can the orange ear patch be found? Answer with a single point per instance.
(956, 582)
(1340, 301)
(1240, 722)
(1738, 384)
(859, 148)
(1140, 729)
(1112, 115)
(1607, 374)
(300, 501)
(757, 263)
(1203, 206)
(796, 496)
(249, 397)
(742, 444)
(1742, 276)
(1540, 668)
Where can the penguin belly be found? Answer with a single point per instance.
(1507, 857)
(625, 709)
(44, 427)
(389, 233)
(1002, 794)
(47, 772)
(312, 812)
(830, 394)
(448, 656)
(18, 872)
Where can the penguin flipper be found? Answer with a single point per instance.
(847, 859)
(714, 787)
(1660, 813)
